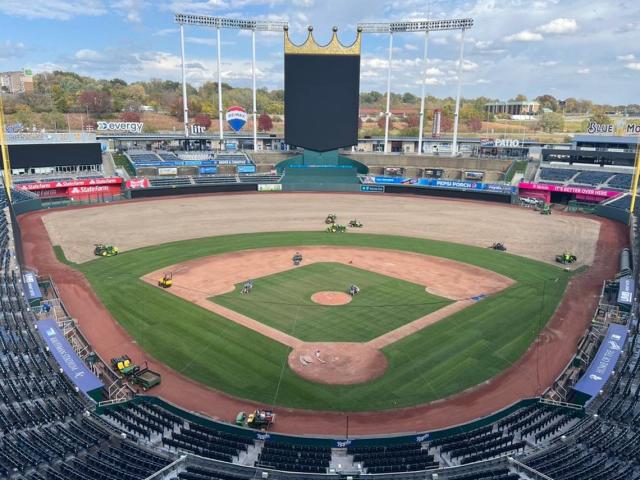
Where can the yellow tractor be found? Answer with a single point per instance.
(166, 281)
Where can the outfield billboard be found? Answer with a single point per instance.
(74, 189)
(73, 367)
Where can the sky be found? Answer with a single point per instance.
(567, 48)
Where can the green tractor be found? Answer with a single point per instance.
(331, 219)
(355, 223)
(124, 365)
(335, 228)
(567, 258)
(545, 209)
(105, 250)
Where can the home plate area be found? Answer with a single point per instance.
(337, 363)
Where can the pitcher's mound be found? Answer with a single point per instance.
(337, 363)
(331, 298)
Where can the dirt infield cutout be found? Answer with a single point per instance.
(331, 298)
(335, 363)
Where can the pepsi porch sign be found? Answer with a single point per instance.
(236, 118)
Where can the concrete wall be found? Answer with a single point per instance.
(270, 158)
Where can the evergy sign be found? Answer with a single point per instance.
(133, 127)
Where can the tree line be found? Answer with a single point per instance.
(58, 93)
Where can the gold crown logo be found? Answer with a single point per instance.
(311, 47)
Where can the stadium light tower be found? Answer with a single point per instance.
(420, 26)
(233, 24)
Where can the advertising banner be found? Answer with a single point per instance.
(208, 170)
(178, 163)
(626, 289)
(167, 171)
(568, 189)
(269, 187)
(138, 183)
(83, 192)
(604, 362)
(67, 358)
(438, 183)
(246, 169)
(132, 127)
(31, 288)
(68, 183)
(236, 117)
(372, 188)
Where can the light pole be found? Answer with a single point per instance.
(418, 26)
(456, 115)
(235, 24)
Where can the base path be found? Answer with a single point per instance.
(530, 376)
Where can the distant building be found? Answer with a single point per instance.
(16, 82)
(512, 108)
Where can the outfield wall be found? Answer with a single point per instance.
(192, 190)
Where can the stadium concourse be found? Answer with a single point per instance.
(92, 447)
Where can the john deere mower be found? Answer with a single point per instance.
(355, 223)
(102, 250)
(166, 281)
(331, 218)
(124, 366)
(335, 228)
(498, 246)
(566, 258)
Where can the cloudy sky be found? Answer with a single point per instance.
(580, 48)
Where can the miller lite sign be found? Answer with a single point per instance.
(236, 118)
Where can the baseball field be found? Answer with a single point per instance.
(433, 318)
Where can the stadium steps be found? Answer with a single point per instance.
(250, 457)
(341, 460)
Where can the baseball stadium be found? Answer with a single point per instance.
(325, 310)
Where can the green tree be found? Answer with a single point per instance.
(600, 117)
(551, 122)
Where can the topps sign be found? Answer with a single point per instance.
(133, 127)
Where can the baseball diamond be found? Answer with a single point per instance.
(194, 336)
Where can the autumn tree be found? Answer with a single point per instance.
(202, 120)
(265, 124)
(93, 101)
(130, 117)
(413, 120)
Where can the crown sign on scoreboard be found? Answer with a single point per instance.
(236, 118)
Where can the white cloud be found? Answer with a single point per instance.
(52, 9)
(524, 36)
(626, 58)
(559, 26)
(87, 55)
(9, 49)
(549, 63)
(583, 71)
(633, 66)
(131, 10)
(410, 47)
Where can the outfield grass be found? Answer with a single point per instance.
(283, 301)
(458, 352)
